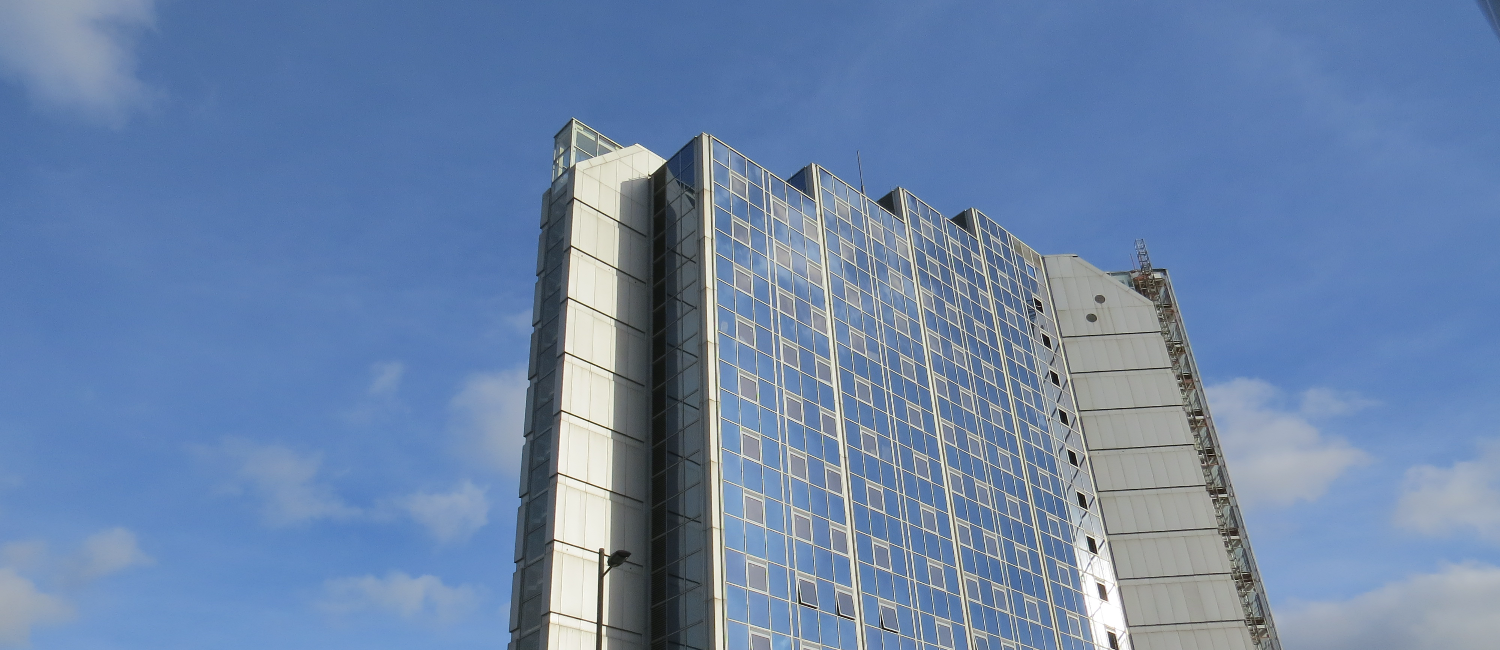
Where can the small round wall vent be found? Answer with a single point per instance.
(1099, 299)
(1091, 318)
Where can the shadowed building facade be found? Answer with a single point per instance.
(820, 420)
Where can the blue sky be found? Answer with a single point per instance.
(266, 269)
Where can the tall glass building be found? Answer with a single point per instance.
(824, 421)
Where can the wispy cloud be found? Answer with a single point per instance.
(286, 483)
(76, 55)
(106, 552)
(489, 411)
(382, 394)
(1464, 496)
(422, 597)
(452, 516)
(1453, 608)
(385, 378)
(23, 606)
(1277, 455)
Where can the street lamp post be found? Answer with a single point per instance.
(606, 562)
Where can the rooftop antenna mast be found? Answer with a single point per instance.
(860, 161)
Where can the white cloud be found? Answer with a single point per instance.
(23, 607)
(76, 54)
(385, 378)
(1448, 610)
(398, 593)
(1278, 456)
(490, 411)
(382, 399)
(286, 482)
(105, 552)
(1463, 496)
(453, 516)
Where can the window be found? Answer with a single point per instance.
(1093, 545)
(1036, 302)
(783, 256)
(888, 618)
(757, 577)
(1046, 341)
(759, 642)
(815, 274)
(1052, 375)
(950, 434)
(743, 281)
(755, 510)
(749, 388)
(1103, 591)
(794, 408)
(807, 592)
(798, 466)
(862, 390)
(1063, 416)
(870, 443)
(750, 447)
(1114, 641)
(882, 556)
(789, 354)
(802, 527)
(745, 332)
(838, 540)
(1072, 458)
(945, 635)
(1083, 500)
(929, 520)
(845, 605)
(835, 481)
(825, 371)
(877, 498)
(921, 467)
(935, 576)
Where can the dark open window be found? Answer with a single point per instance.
(807, 593)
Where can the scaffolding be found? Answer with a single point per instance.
(1156, 285)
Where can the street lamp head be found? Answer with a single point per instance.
(618, 557)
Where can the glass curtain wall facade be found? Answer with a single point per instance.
(863, 433)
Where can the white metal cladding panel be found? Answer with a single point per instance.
(570, 634)
(1201, 636)
(1116, 352)
(1157, 510)
(1075, 285)
(604, 398)
(612, 243)
(608, 290)
(574, 576)
(1194, 599)
(1155, 467)
(591, 518)
(619, 184)
(1127, 389)
(1177, 553)
(607, 343)
(603, 458)
(1148, 427)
